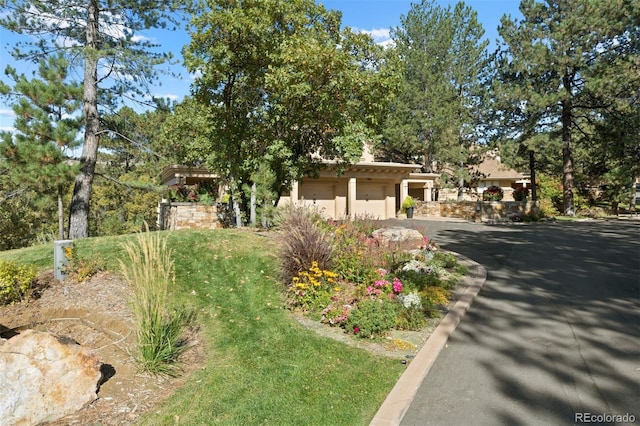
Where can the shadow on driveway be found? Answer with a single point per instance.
(554, 332)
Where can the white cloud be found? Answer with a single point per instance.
(112, 25)
(140, 38)
(170, 96)
(7, 113)
(381, 36)
(9, 129)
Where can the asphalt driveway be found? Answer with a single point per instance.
(553, 338)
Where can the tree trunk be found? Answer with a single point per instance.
(532, 173)
(253, 206)
(567, 153)
(237, 212)
(79, 211)
(461, 182)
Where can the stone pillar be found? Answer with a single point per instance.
(351, 197)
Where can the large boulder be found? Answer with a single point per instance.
(404, 237)
(44, 377)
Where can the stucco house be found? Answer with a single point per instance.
(490, 172)
(369, 187)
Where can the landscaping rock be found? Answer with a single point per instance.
(408, 238)
(44, 377)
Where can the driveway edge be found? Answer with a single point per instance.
(397, 402)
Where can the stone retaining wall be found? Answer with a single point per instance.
(174, 216)
(485, 211)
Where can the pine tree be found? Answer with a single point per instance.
(562, 68)
(103, 40)
(437, 113)
(47, 127)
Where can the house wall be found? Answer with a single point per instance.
(174, 216)
(338, 198)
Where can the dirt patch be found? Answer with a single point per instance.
(95, 313)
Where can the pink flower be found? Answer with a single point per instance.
(397, 285)
(382, 272)
(356, 330)
(381, 283)
(369, 290)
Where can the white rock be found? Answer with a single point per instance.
(44, 377)
(408, 237)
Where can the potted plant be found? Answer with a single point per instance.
(520, 193)
(493, 193)
(408, 205)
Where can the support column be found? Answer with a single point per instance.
(428, 186)
(351, 197)
(404, 190)
(390, 201)
(294, 193)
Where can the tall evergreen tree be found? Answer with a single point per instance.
(437, 114)
(47, 127)
(104, 40)
(561, 68)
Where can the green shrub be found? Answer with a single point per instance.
(357, 254)
(549, 191)
(411, 318)
(302, 242)
(372, 318)
(15, 281)
(81, 267)
(445, 260)
(547, 208)
(149, 271)
(415, 280)
(435, 296)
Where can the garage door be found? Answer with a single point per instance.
(320, 195)
(370, 200)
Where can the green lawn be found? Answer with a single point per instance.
(262, 366)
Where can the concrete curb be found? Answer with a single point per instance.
(399, 399)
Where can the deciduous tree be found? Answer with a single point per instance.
(278, 82)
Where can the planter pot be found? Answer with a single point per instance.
(410, 213)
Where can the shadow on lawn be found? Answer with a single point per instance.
(556, 328)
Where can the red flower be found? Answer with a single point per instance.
(356, 329)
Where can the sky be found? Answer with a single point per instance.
(375, 17)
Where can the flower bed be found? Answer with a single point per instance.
(337, 273)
